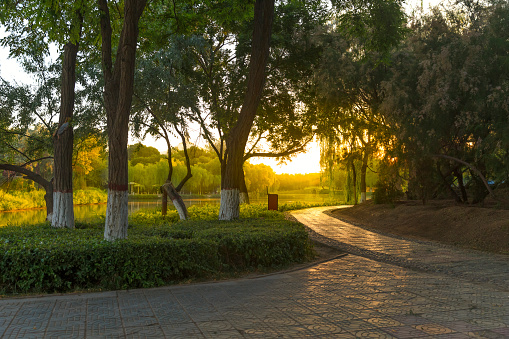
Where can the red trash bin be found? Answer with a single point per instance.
(272, 202)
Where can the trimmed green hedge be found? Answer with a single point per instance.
(158, 251)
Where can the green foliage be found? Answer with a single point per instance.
(141, 154)
(447, 96)
(388, 187)
(89, 196)
(158, 251)
(386, 192)
(40, 258)
(35, 199)
(21, 200)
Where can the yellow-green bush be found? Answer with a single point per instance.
(18, 200)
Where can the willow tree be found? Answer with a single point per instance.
(356, 51)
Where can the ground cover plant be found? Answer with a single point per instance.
(159, 251)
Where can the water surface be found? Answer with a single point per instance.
(90, 212)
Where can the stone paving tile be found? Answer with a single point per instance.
(473, 265)
(64, 334)
(344, 298)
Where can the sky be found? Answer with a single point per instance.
(307, 162)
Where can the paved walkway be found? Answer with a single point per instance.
(426, 256)
(349, 297)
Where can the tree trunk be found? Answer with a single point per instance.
(63, 215)
(243, 193)
(229, 204)
(448, 185)
(237, 138)
(118, 93)
(164, 203)
(364, 167)
(48, 197)
(461, 184)
(354, 183)
(177, 200)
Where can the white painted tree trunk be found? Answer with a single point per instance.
(363, 197)
(63, 212)
(229, 208)
(49, 217)
(116, 216)
(243, 198)
(180, 209)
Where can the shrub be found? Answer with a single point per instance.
(158, 251)
(18, 200)
(89, 196)
(386, 193)
(21, 200)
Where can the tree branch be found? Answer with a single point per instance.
(274, 155)
(29, 174)
(6, 131)
(206, 132)
(35, 160)
(17, 150)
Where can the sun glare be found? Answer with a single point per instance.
(302, 163)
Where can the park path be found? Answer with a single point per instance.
(427, 256)
(348, 297)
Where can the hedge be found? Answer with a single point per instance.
(39, 258)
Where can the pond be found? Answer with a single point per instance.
(90, 212)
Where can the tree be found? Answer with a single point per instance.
(88, 155)
(139, 153)
(445, 102)
(283, 125)
(33, 46)
(25, 137)
(356, 52)
(118, 92)
(238, 135)
(164, 98)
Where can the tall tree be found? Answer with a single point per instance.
(118, 93)
(356, 51)
(61, 25)
(25, 137)
(282, 126)
(238, 136)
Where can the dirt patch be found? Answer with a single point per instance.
(485, 229)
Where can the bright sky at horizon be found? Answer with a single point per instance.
(308, 162)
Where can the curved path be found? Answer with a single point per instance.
(349, 297)
(426, 256)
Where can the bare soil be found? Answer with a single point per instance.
(485, 229)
